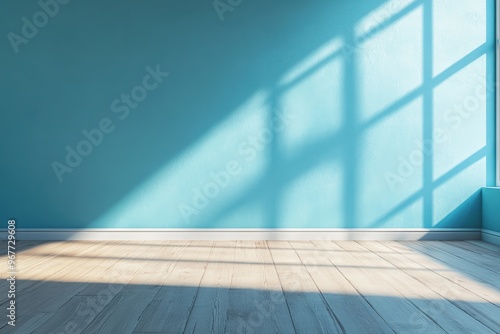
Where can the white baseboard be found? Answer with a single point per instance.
(491, 237)
(248, 234)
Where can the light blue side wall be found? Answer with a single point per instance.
(275, 114)
(491, 209)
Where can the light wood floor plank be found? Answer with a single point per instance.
(59, 264)
(398, 312)
(256, 300)
(352, 310)
(122, 314)
(92, 298)
(478, 272)
(309, 311)
(477, 286)
(473, 247)
(487, 245)
(170, 308)
(49, 291)
(469, 302)
(20, 246)
(256, 287)
(210, 308)
(41, 295)
(444, 313)
(484, 260)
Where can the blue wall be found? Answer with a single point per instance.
(491, 209)
(291, 114)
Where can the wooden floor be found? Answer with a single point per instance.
(255, 287)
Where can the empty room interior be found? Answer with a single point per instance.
(238, 166)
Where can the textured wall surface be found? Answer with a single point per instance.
(291, 114)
